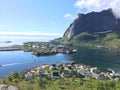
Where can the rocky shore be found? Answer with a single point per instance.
(6, 87)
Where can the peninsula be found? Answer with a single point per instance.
(40, 48)
(46, 48)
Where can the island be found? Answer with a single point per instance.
(6, 42)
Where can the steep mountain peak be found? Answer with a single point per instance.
(93, 23)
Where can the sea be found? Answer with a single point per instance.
(19, 60)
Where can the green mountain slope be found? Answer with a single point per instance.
(86, 39)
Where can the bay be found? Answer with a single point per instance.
(101, 58)
(20, 60)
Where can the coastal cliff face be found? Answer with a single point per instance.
(93, 23)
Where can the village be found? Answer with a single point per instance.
(48, 74)
(40, 48)
(44, 48)
(68, 70)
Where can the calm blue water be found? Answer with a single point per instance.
(19, 60)
(101, 58)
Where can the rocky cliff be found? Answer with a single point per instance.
(93, 23)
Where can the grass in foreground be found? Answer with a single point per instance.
(72, 83)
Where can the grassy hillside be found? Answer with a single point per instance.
(85, 39)
(73, 83)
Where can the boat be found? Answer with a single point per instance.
(70, 51)
(74, 50)
(67, 52)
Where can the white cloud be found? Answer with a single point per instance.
(99, 5)
(29, 34)
(70, 16)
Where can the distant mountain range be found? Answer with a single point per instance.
(93, 23)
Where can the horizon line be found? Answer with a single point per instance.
(29, 34)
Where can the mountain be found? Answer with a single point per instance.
(93, 23)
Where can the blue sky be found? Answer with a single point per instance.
(38, 16)
(46, 17)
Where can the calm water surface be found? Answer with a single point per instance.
(101, 58)
(19, 60)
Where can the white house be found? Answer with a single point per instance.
(28, 75)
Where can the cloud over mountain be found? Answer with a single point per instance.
(99, 5)
(69, 16)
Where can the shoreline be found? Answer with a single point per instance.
(35, 50)
(85, 70)
(11, 48)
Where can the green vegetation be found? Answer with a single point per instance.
(75, 81)
(56, 41)
(39, 48)
(72, 83)
(46, 48)
(111, 40)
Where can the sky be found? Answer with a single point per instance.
(45, 18)
(42, 17)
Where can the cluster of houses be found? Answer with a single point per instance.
(102, 47)
(56, 71)
(115, 47)
(45, 48)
